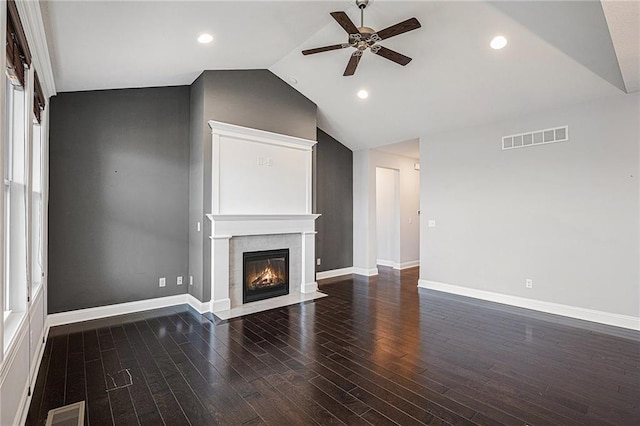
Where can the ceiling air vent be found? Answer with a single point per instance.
(538, 137)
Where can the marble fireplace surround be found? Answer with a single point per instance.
(232, 235)
(261, 200)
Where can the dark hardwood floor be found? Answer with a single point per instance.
(376, 351)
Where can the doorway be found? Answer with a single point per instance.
(388, 217)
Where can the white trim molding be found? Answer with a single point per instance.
(311, 287)
(6, 371)
(617, 320)
(387, 263)
(113, 310)
(34, 374)
(407, 265)
(334, 273)
(200, 307)
(396, 265)
(33, 24)
(89, 314)
(227, 226)
(365, 272)
(263, 136)
(220, 305)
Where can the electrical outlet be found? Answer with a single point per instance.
(190, 279)
(318, 261)
(528, 283)
(179, 280)
(163, 282)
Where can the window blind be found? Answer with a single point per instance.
(18, 54)
(38, 99)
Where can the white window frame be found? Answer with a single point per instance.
(16, 288)
(37, 238)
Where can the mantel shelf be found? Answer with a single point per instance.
(252, 217)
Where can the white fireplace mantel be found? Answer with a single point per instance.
(261, 185)
(223, 225)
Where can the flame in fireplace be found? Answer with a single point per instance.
(268, 277)
(268, 274)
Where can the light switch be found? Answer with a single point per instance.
(431, 223)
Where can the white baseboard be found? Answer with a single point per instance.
(334, 273)
(113, 310)
(617, 320)
(407, 265)
(220, 305)
(396, 265)
(366, 272)
(199, 306)
(311, 287)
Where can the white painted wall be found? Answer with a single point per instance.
(565, 215)
(277, 186)
(364, 253)
(365, 163)
(258, 172)
(387, 216)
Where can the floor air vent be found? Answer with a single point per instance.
(69, 415)
(539, 137)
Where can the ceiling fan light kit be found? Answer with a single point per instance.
(363, 38)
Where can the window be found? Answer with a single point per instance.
(36, 209)
(16, 171)
(15, 192)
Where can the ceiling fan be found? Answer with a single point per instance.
(363, 38)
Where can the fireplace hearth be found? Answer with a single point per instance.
(265, 274)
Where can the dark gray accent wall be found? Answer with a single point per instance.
(197, 238)
(119, 191)
(251, 98)
(333, 199)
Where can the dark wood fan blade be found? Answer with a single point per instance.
(324, 49)
(397, 29)
(352, 65)
(394, 56)
(345, 22)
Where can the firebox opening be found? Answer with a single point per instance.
(265, 274)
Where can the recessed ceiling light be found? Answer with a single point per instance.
(498, 42)
(205, 38)
(363, 94)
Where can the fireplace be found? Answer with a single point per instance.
(265, 274)
(245, 220)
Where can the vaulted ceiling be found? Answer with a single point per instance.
(559, 53)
